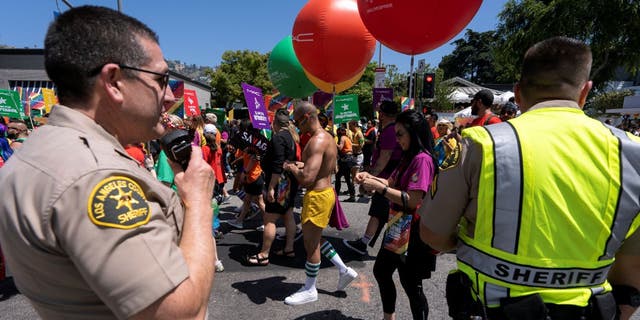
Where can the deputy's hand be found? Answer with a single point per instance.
(195, 185)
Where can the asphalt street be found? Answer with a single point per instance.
(243, 292)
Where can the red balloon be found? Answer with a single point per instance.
(416, 26)
(331, 41)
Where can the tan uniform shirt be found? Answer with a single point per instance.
(87, 233)
(454, 193)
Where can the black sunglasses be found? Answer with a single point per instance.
(163, 81)
(298, 122)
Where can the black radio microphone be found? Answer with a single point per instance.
(177, 145)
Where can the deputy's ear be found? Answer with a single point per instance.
(584, 93)
(111, 81)
(517, 94)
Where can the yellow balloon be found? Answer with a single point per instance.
(329, 87)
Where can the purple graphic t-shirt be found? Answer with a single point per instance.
(387, 141)
(417, 176)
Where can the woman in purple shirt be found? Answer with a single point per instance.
(406, 187)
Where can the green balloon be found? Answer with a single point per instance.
(286, 73)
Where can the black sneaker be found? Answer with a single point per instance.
(356, 245)
(350, 199)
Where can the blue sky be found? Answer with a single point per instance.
(198, 32)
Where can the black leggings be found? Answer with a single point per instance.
(344, 170)
(386, 263)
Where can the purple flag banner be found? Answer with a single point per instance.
(255, 103)
(381, 94)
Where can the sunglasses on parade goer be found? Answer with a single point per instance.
(298, 122)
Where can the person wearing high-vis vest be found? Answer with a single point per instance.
(542, 210)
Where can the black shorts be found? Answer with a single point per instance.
(349, 161)
(289, 197)
(379, 207)
(275, 207)
(255, 188)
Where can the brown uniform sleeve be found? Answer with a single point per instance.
(631, 245)
(129, 259)
(454, 192)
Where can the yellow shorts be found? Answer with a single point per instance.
(317, 207)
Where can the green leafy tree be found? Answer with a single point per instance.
(396, 80)
(364, 89)
(473, 58)
(443, 90)
(610, 27)
(237, 67)
(607, 100)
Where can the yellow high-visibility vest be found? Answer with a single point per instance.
(558, 194)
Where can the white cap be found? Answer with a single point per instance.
(210, 128)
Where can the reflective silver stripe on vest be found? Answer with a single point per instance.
(508, 187)
(629, 199)
(493, 293)
(524, 275)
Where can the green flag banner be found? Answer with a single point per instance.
(346, 108)
(221, 114)
(10, 104)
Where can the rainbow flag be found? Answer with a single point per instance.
(50, 99)
(277, 100)
(407, 103)
(36, 100)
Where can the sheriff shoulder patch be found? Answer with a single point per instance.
(414, 177)
(118, 202)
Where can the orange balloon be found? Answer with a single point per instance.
(329, 87)
(331, 41)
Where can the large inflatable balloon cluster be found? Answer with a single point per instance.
(333, 40)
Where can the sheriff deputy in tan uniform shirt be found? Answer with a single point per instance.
(88, 233)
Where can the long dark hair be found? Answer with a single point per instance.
(421, 138)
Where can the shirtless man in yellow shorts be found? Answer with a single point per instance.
(314, 173)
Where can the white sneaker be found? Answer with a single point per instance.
(346, 278)
(301, 297)
(260, 228)
(219, 266)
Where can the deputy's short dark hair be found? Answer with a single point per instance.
(83, 39)
(556, 67)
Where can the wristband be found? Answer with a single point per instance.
(384, 191)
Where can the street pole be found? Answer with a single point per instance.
(380, 54)
(67, 3)
(411, 79)
(119, 5)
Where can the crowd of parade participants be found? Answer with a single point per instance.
(542, 211)
(396, 152)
